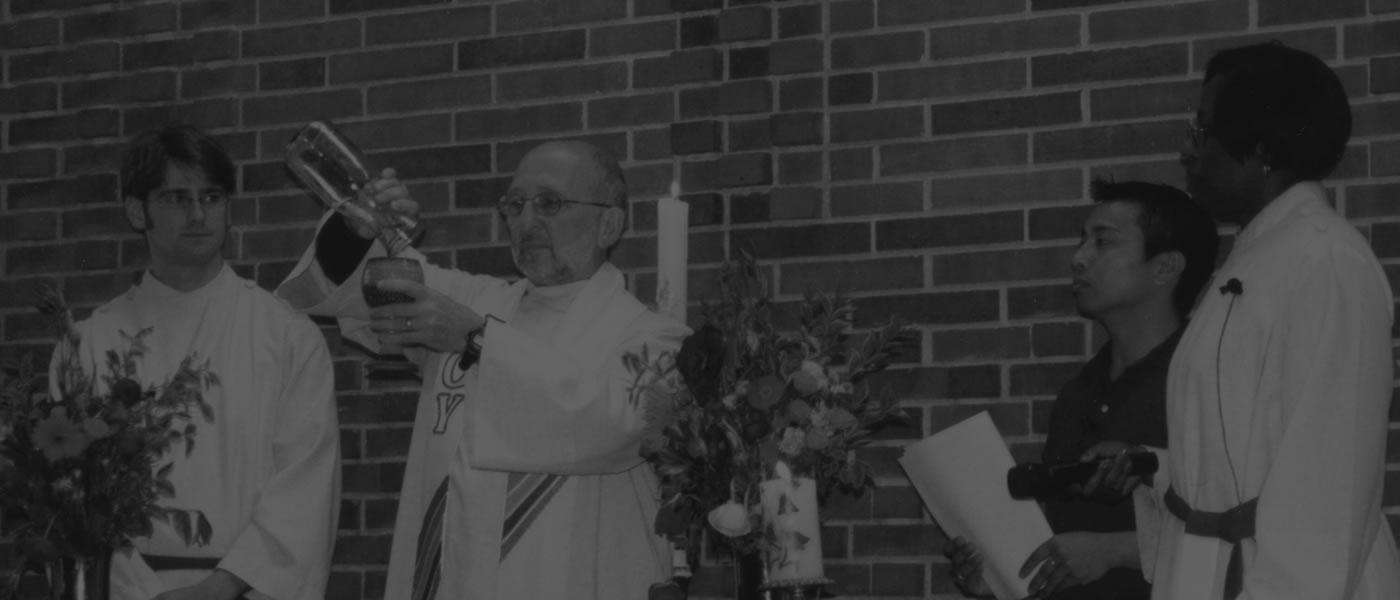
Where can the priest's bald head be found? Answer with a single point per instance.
(565, 209)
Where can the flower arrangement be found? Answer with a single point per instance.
(743, 402)
(82, 469)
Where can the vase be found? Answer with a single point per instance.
(75, 578)
(792, 526)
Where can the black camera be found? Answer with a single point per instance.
(1038, 480)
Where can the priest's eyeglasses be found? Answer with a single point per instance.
(546, 204)
(184, 200)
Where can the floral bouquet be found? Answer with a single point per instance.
(744, 403)
(81, 469)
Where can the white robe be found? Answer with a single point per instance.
(266, 471)
(1304, 373)
(548, 395)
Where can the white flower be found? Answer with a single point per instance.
(794, 441)
(730, 519)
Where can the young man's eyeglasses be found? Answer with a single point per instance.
(184, 200)
(546, 204)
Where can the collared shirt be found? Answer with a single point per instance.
(1092, 408)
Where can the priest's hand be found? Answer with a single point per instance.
(1078, 557)
(219, 585)
(431, 320)
(965, 565)
(387, 199)
(1115, 475)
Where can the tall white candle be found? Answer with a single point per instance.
(672, 253)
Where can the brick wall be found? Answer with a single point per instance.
(930, 156)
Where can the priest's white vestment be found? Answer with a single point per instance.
(1281, 392)
(266, 470)
(549, 395)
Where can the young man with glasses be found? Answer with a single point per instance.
(266, 468)
(523, 477)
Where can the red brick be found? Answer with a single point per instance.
(906, 272)
(860, 52)
(877, 124)
(1008, 188)
(877, 199)
(202, 14)
(852, 15)
(904, 12)
(1374, 200)
(1005, 113)
(779, 204)
(441, 161)
(207, 46)
(800, 94)
(1058, 4)
(276, 243)
(360, 549)
(1143, 100)
(1058, 339)
(387, 443)
(527, 49)
(1321, 42)
(538, 14)
(380, 65)
(27, 164)
(896, 540)
(206, 113)
(1109, 141)
(699, 31)
(1041, 379)
(33, 97)
(91, 222)
(124, 89)
(221, 81)
(57, 193)
(749, 134)
(524, 120)
(1385, 75)
(1375, 118)
(953, 155)
(797, 21)
(995, 266)
(303, 107)
(796, 56)
(685, 66)
(632, 38)
(287, 10)
(326, 36)
(96, 57)
(448, 93)
(1384, 6)
(738, 97)
(338, 7)
(97, 288)
(287, 208)
(696, 137)
(807, 240)
(797, 128)
(1282, 12)
(743, 24)
(86, 158)
(952, 80)
(961, 345)
(748, 62)
(29, 33)
(1004, 36)
(1057, 222)
(405, 132)
(851, 88)
(289, 74)
(898, 579)
(651, 144)
(563, 81)
(800, 167)
(91, 123)
(735, 170)
(631, 110)
(443, 23)
(29, 226)
(1385, 158)
(1040, 301)
(1148, 22)
(1106, 65)
(118, 23)
(948, 231)
(53, 258)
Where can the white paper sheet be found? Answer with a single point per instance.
(961, 474)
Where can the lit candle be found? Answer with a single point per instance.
(672, 253)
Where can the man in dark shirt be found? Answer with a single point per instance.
(1145, 252)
